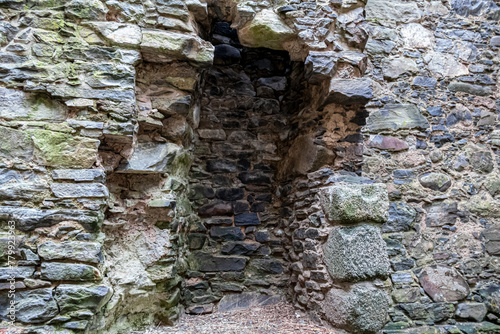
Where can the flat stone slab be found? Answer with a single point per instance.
(79, 190)
(71, 250)
(349, 91)
(356, 253)
(393, 117)
(246, 300)
(347, 203)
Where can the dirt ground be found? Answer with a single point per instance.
(279, 318)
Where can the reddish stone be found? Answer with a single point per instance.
(444, 284)
(388, 143)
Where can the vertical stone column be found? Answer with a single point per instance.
(355, 256)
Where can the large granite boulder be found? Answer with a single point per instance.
(348, 203)
(356, 253)
(360, 308)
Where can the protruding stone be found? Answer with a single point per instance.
(349, 91)
(352, 203)
(72, 298)
(151, 157)
(471, 311)
(435, 181)
(32, 306)
(394, 68)
(439, 214)
(415, 36)
(121, 34)
(356, 253)
(444, 65)
(391, 144)
(360, 308)
(443, 284)
(470, 88)
(396, 117)
(392, 10)
(79, 190)
(79, 175)
(55, 271)
(492, 236)
(71, 250)
(266, 30)
(320, 66)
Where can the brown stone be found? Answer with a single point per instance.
(444, 284)
(391, 144)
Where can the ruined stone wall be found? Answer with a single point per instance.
(340, 154)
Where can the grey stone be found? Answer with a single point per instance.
(55, 271)
(492, 238)
(435, 181)
(209, 263)
(28, 219)
(349, 91)
(128, 35)
(352, 203)
(79, 175)
(491, 296)
(77, 190)
(360, 308)
(16, 272)
(495, 41)
(481, 161)
(71, 297)
(151, 157)
(471, 311)
(379, 47)
(470, 88)
(401, 218)
(71, 250)
(86, 9)
(394, 68)
(391, 10)
(18, 105)
(320, 66)
(356, 253)
(30, 191)
(427, 82)
(15, 144)
(396, 117)
(443, 284)
(32, 306)
(247, 300)
(263, 267)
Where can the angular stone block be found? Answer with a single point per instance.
(151, 157)
(349, 91)
(208, 263)
(71, 250)
(444, 284)
(347, 203)
(360, 308)
(79, 175)
(55, 271)
(471, 311)
(356, 253)
(79, 190)
(32, 306)
(121, 34)
(71, 297)
(395, 117)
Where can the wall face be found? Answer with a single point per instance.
(340, 154)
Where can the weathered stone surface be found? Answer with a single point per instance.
(440, 214)
(128, 35)
(151, 157)
(401, 218)
(415, 36)
(28, 219)
(60, 150)
(78, 190)
(305, 156)
(162, 46)
(209, 263)
(352, 203)
(71, 250)
(240, 248)
(55, 271)
(226, 233)
(443, 284)
(472, 311)
(16, 272)
(320, 66)
(264, 266)
(349, 91)
(32, 306)
(398, 11)
(360, 308)
(246, 300)
(15, 144)
(266, 30)
(444, 65)
(396, 117)
(394, 68)
(72, 298)
(247, 219)
(470, 88)
(356, 253)
(18, 105)
(492, 237)
(79, 175)
(391, 144)
(435, 181)
(491, 295)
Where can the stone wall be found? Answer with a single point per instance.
(169, 156)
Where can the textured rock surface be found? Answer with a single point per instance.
(443, 284)
(356, 253)
(350, 203)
